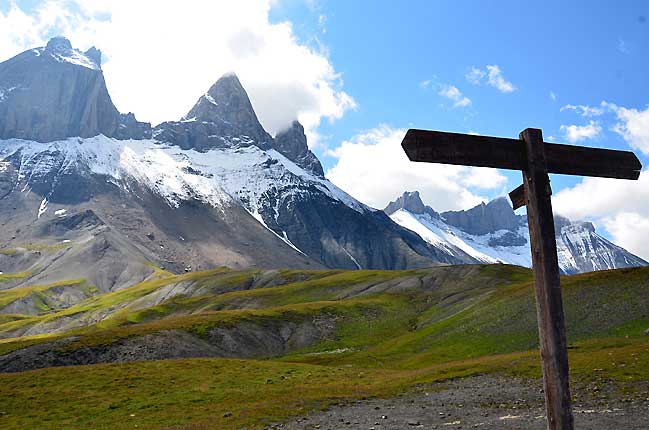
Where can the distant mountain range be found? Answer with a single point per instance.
(493, 233)
(89, 193)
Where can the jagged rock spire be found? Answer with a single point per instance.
(410, 201)
(293, 145)
(485, 218)
(227, 101)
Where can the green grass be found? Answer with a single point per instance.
(11, 295)
(197, 393)
(47, 247)
(6, 277)
(464, 312)
(394, 330)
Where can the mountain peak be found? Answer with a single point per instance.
(227, 102)
(60, 49)
(55, 92)
(292, 144)
(410, 201)
(58, 44)
(485, 218)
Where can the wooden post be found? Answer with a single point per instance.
(549, 307)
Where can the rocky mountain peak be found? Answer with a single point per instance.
(58, 44)
(485, 218)
(410, 201)
(60, 50)
(94, 54)
(292, 143)
(55, 92)
(227, 102)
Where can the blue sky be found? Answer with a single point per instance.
(358, 74)
(583, 52)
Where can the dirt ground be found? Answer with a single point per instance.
(484, 402)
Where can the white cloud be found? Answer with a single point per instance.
(553, 96)
(161, 56)
(373, 167)
(586, 111)
(475, 75)
(622, 207)
(576, 133)
(631, 231)
(498, 81)
(491, 75)
(452, 93)
(633, 126)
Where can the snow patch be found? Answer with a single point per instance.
(358, 266)
(4, 93)
(61, 212)
(42, 208)
(285, 238)
(75, 57)
(210, 99)
(440, 235)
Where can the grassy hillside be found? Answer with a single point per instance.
(313, 337)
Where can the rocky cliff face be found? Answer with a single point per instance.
(220, 118)
(55, 92)
(485, 218)
(293, 145)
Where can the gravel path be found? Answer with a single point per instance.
(484, 402)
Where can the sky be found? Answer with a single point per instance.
(359, 74)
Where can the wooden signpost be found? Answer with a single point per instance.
(535, 159)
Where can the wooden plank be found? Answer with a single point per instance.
(485, 151)
(585, 161)
(549, 307)
(518, 197)
(462, 149)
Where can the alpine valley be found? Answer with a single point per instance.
(89, 193)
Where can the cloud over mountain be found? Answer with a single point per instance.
(146, 63)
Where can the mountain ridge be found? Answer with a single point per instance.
(208, 190)
(492, 232)
(211, 189)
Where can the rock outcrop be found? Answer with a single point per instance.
(410, 201)
(485, 218)
(222, 115)
(293, 145)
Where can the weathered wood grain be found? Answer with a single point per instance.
(485, 151)
(547, 285)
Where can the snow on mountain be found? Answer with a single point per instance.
(217, 178)
(436, 232)
(492, 233)
(214, 177)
